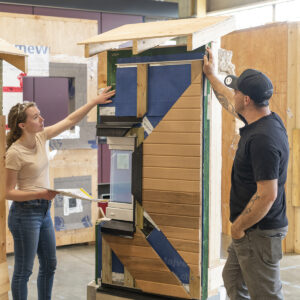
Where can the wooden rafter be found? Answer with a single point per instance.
(13, 55)
(198, 31)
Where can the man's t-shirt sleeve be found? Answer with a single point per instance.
(265, 158)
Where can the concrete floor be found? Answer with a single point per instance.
(76, 269)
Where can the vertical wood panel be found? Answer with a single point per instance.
(142, 89)
(102, 70)
(2, 191)
(106, 275)
(4, 279)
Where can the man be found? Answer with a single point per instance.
(257, 196)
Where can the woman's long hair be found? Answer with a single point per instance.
(17, 115)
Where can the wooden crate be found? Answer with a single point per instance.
(274, 50)
(61, 35)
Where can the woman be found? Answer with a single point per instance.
(27, 168)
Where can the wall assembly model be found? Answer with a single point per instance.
(155, 237)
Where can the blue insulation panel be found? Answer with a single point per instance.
(169, 255)
(126, 92)
(165, 85)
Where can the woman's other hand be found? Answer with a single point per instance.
(47, 195)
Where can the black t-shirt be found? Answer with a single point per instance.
(262, 154)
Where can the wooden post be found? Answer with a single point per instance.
(142, 84)
(106, 276)
(4, 279)
(200, 7)
(1, 85)
(128, 279)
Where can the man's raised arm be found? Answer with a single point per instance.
(224, 94)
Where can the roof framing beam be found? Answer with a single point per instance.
(133, 7)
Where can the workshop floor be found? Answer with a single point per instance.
(76, 269)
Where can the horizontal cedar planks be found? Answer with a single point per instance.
(164, 276)
(174, 197)
(171, 150)
(183, 115)
(182, 138)
(194, 90)
(145, 266)
(190, 257)
(175, 221)
(172, 185)
(178, 126)
(195, 269)
(185, 245)
(196, 71)
(171, 173)
(173, 209)
(192, 234)
(163, 289)
(136, 241)
(138, 251)
(171, 161)
(189, 102)
(141, 264)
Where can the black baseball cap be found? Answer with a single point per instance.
(252, 83)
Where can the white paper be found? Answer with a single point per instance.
(74, 193)
(71, 210)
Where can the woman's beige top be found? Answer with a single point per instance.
(32, 164)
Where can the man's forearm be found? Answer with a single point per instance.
(223, 94)
(255, 210)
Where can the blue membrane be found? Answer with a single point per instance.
(169, 255)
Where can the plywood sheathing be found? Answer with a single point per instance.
(293, 126)
(278, 58)
(60, 34)
(69, 163)
(150, 273)
(199, 31)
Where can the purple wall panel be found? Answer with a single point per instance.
(69, 13)
(99, 157)
(28, 93)
(20, 9)
(105, 167)
(52, 98)
(110, 21)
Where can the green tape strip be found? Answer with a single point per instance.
(205, 193)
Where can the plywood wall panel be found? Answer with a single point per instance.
(60, 34)
(68, 163)
(270, 58)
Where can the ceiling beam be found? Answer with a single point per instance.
(133, 7)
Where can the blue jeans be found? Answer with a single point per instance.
(31, 226)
